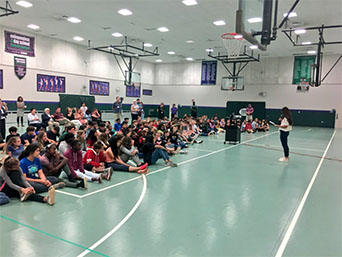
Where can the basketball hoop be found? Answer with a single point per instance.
(233, 43)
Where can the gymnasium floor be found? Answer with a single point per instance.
(222, 200)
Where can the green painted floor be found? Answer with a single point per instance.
(222, 200)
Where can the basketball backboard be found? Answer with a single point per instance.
(254, 21)
(232, 83)
(132, 78)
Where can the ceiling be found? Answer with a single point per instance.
(100, 19)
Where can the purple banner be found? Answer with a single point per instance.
(147, 92)
(19, 44)
(98, 87)
(48, 83)
(133, 91)
(209, 69)
(1, 79)
(20, 66)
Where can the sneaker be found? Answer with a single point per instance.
(173, 164)
(59, 185)
(83, 183)
(183, 152)
(283, 159)
(108, 174)
(51, 196)
(99, 179)
(144, 166)
(199, 141)
(23, 196)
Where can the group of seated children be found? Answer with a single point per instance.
(255, 126)
(41, 161)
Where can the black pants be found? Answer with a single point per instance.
(38, 126)
(283, 138)
(3, 128)
(15, 177)
(135, 116)
(21, 119)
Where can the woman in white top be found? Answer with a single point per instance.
(34, 120)
(20, 110)
(285, 127)
(84, 108)
(135, 110)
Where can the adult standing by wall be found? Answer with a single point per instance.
(249, 112)
(134, 110)
(117, 108)
(174, 111)
(194, 109)
(20, 110)
(284, 128)
(161, 111)
(3, 114)
(141, 109)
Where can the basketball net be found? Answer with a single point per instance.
(233, 43)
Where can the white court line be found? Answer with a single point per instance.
(294, 220)
(202, 150)
(109, 187)
(67, 193)
(121, 223)
(165, 168)
(291, 147)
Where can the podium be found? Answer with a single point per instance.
(233, 135)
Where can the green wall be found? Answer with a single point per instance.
(203, 110)
(314, 118)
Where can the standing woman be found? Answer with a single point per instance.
(3, 114)
(134, 111)
(20, 110)
(161, 111)
(285, 127)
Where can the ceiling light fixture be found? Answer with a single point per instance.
(209, 50)
(306, 43)
(189, 41)
(311, 52)
(253, 47)
(189, 2)
(254, 20)
(125, 12)
(148, 45)
(292, 14)
(33, 26)
(163, 29)
(238, 36)
(219, 23)
(299, 31)
(117, 34)
(24, 4)
(159, 60)
(77, 38)
(171, 53)
(73, 20)
(189, 59)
